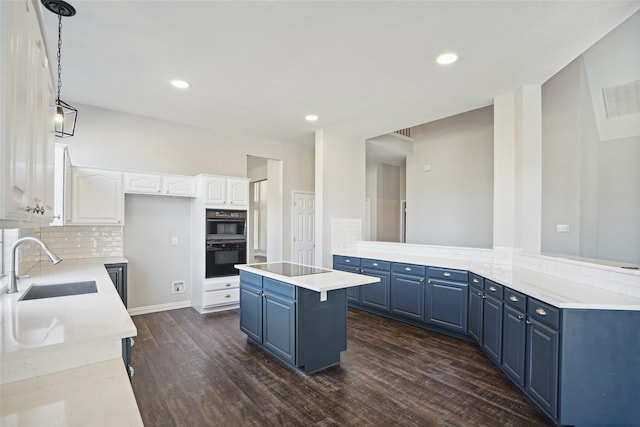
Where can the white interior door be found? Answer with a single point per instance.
(304, 240)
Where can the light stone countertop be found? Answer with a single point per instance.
(553, 290)
(94, 395)
(321, 283)
(61, 358)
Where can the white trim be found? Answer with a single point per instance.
(293, 219)
(158, 307)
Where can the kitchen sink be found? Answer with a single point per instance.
(60, 290)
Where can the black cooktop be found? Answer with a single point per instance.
(289, 269)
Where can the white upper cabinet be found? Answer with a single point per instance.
(97, 197)
(237, 192)
(168, 185)
(227, 192)
(26, 117)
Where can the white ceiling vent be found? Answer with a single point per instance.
(623, 99)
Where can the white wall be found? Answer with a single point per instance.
(591, 180)
(340, 186)
(619, 204)
(453, 203)
(150, 224)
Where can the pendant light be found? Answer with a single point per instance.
(66, 114)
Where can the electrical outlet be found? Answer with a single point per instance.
(562, 228)
(174, 241)
(177, 287)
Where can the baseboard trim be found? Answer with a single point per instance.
(159, 307)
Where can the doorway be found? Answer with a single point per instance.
(303, 248)
(265, 219)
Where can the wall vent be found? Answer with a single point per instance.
(623, 99)
(404, 132)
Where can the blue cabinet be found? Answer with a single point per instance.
(292, 324)
(514, 333)
(408, 291)
(118, 275)
(476, 307)
(492, 321)
(541, 382)
(352, 265)
(278, 319)
(375, 295)
(251, 306)
(447, 299)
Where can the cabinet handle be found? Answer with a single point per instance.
(476, 281)
(375, 264)
(520, 317)
(422, 281)
(528, 322)
(484, 297)
(228, 285)
(259, 293)
(446, 274)
(541, 311)
(479, 294)
(347, 261)
(227, 296)
(407, 269)
(513, 298)
(132, 342)
(492, 288)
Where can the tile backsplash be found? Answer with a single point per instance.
(75, 242)
(72, 242)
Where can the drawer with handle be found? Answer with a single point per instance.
(222, 297)
(374, 264)
(448, 274)
(515, 299)
(543, 313)
(410, 269)
(222, 284)
(492, 289)
(346, 260)
(476, 281)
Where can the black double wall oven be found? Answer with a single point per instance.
(226, 241)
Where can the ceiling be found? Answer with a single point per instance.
(365, 68)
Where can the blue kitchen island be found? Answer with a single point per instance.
(297, 313)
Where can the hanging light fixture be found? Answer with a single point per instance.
(66, 114)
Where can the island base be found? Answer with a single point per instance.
(292, 324)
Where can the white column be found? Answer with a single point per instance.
(517, 200)
(340, 189)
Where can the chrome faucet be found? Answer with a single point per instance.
(13, 280)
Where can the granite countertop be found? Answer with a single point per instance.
(321, 282)
(553, 290)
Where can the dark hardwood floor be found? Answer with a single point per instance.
(199, 370)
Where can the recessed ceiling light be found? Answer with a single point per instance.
(311, 117)
(447, 58)
(180, 84)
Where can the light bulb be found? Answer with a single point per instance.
(59, 115)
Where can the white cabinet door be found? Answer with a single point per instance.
(26, 147)
(97, 197)
(143, 183)
(176, 185)
(215, 190)
(238, 192)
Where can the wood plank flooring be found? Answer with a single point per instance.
(199, 370)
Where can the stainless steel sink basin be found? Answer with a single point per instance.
(60, 290)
